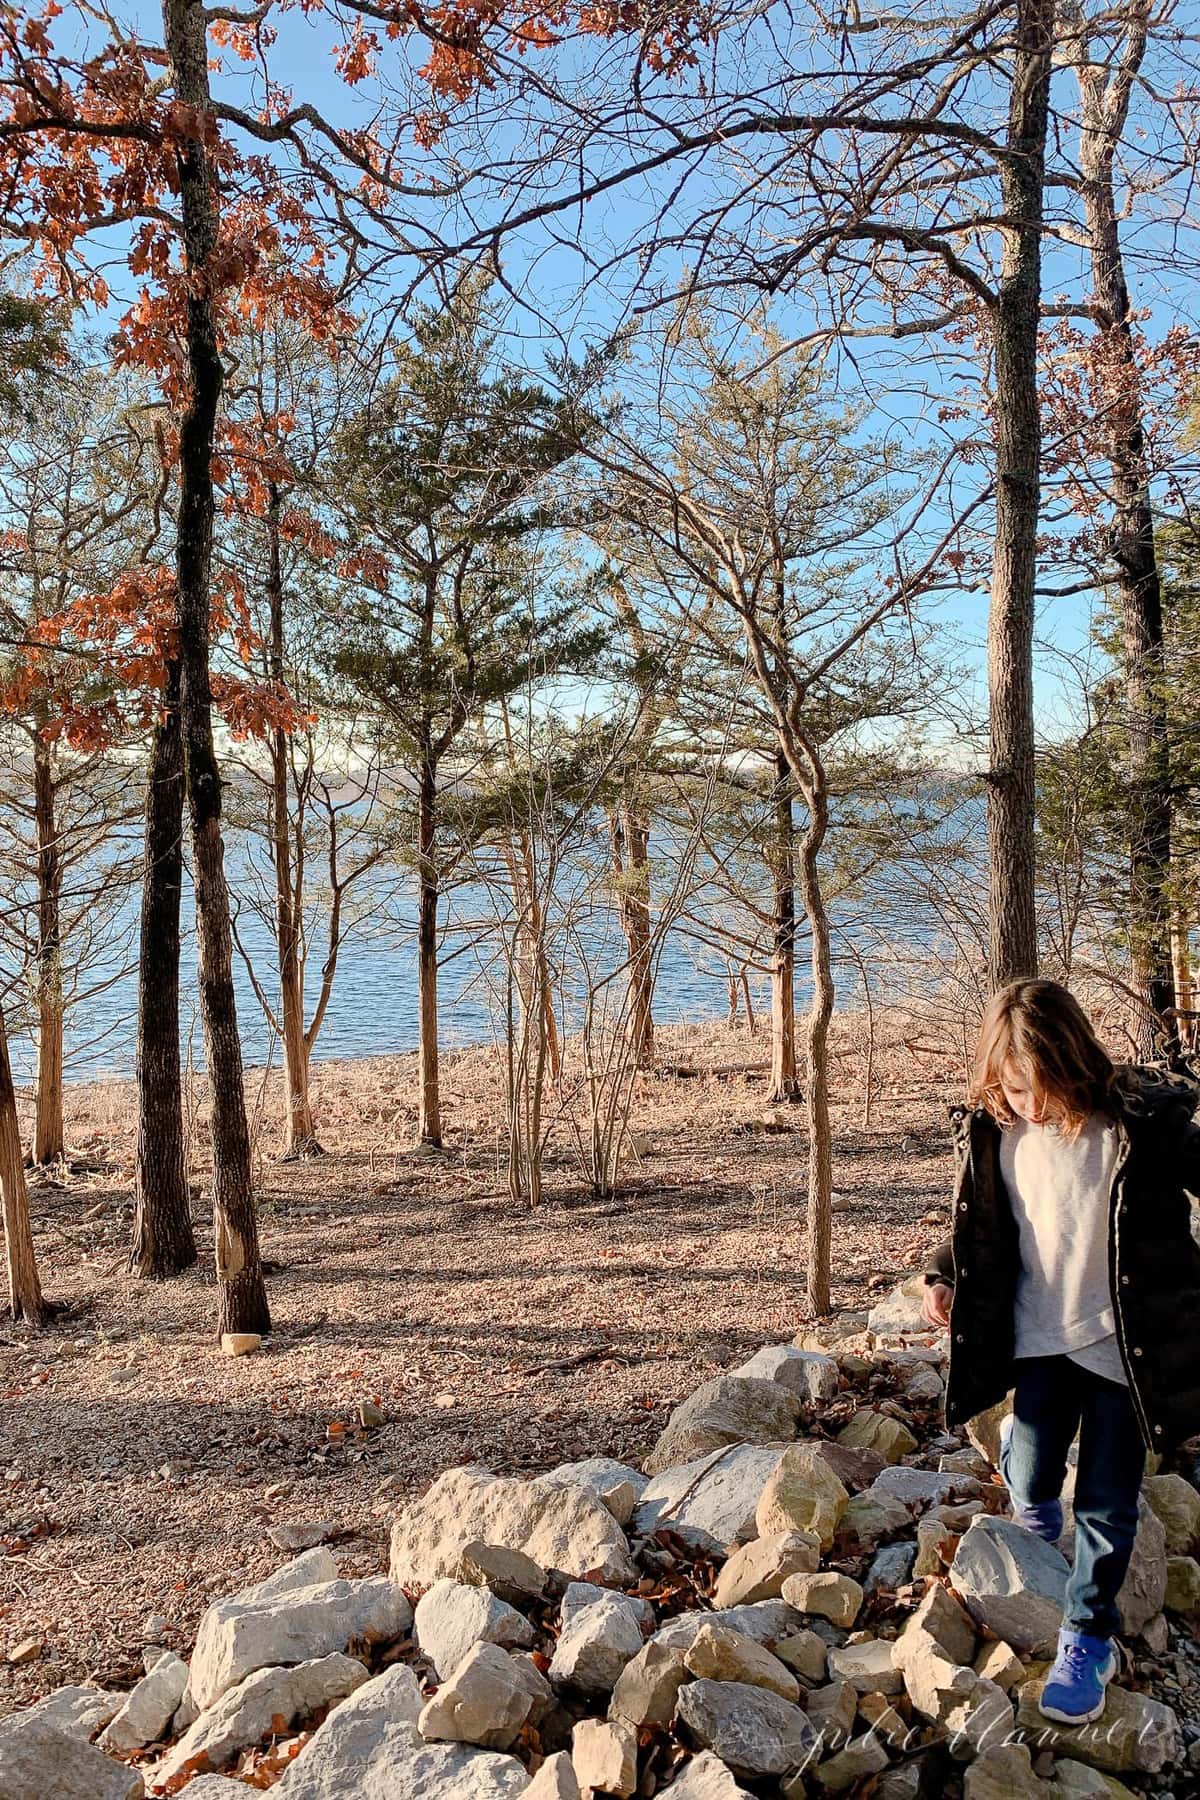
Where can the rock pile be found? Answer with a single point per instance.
(812, 1590)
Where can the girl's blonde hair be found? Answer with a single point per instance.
(1041, 1028)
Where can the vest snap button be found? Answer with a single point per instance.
(1137, 1350)
(962, 1206)
(959, 1338)
(1158, 1430)
(1124, 1281)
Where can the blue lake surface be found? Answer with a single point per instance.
(373, 1007)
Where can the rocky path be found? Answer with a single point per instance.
(807, 1588)
(142, 1474)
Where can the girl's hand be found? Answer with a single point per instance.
(935, 1303)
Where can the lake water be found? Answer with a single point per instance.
(373, 1008)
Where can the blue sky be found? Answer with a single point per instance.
(560, 300)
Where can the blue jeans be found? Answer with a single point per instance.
(1053, 1398)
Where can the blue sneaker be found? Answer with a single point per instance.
(1073, 1693)
(1044, 1519)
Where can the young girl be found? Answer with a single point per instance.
(1072, 1277)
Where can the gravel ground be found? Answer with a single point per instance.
(141, 1473)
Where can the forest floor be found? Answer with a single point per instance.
(142, 1473)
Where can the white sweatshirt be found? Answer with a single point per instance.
(1059, 1194)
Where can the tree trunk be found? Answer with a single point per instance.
(1185, 987)
(243, 1296)
(24, 1288)
(302, 1135)
(1104, 104)
(163, 1243)
(1012, 923)
(785, 1085)
(429, 1116)
(536, 987)
(629, 833)
(813, 786)
(49, 1142)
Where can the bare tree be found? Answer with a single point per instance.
(440, 478)
(1106, 54)
(74, 489)
(765, 507)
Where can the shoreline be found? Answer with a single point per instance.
(697, 1031)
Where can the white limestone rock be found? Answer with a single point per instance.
(511, 1574)
(729, 1410)
(542, 1698)
(871, 1516)
(711, 1501)
(802, 1493)
(718, 1654)
(862, 1756)
(975, 1711)
(891, 1567)
(898, 1314)
(601, 1632)
(805, 1654)
(560, 1527)
(648, 1686)
(555, 1780)
(290, 1619)
(810, 1375)
(604, 1753)
(452, 1616)
(216, 1787)
(485, 1701)
(755, 1733)
(868, 1667)
(1177, 1504)
(79, 1711)
(919, 1488)
(940, 1618)
(1012, 1582)
(39, 1763)
(924, 1387)
(871, 1429)
(613, 1482)
(1004, 1772)
(369, 1747)
(825, 1594)
(758, 1570)
(148, 1709)
(706, 1778)
(832, 1710)
(1135, 1734)
(248, 1713)
(767, 1621)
